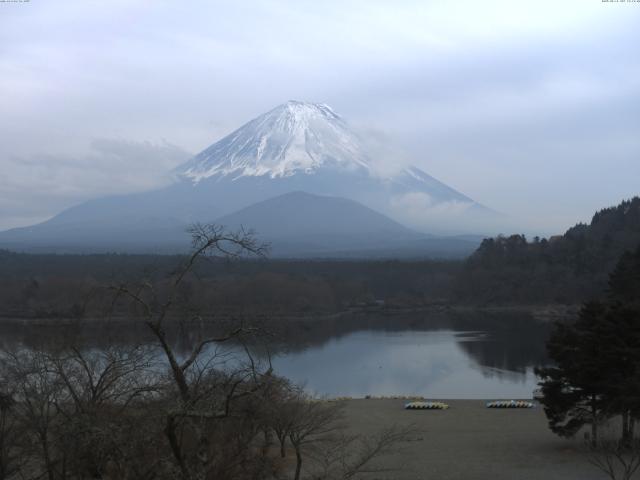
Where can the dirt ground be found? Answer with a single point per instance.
(470, 441)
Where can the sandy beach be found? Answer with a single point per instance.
(469, 441)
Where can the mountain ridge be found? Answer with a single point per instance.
(294, 147)
(310, 147)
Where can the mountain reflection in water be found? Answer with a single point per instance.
(436, 364)
(438, 355)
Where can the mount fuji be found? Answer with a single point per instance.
(298, 175)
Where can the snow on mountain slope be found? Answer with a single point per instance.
(290, 138)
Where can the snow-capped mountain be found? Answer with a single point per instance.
(296, 147)
(308, 147)
(292, 138)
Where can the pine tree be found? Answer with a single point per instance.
(597, 360)
(624, 281)
(574, 388)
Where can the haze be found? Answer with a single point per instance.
(529, 108)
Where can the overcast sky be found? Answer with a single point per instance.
(529, 107)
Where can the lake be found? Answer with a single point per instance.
(444, 355)
(469, 356)
(434, 364)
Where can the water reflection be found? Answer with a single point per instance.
(438, 355)
(435, 364)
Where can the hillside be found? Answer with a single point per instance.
(561, 269)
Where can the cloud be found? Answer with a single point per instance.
(420, 211)
(39, 186)
(507, 102)
(386, 156)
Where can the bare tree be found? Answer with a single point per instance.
(112, 376)
(205, 393)
(11, 436)
(207, 240)
(350, 456)
(317, 432)
(282, 412)
(311, 422)
(100, 387)
(37, 392)
(80, 412)
(617, 459)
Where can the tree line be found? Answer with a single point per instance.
(513, 270)
(563, 269)
(70, 286)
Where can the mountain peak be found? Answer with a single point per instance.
(297, 104)
(295, 137)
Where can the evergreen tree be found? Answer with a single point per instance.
(597, 359)
(624, 323)
(573, 390)
(620, 359)
(624, 281)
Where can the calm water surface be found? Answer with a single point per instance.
(434, 364)
(436, 356)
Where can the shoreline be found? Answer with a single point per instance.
(543, 313)
(470, 441)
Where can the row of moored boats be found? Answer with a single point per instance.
(494, 404)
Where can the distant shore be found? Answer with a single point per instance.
(544, 312)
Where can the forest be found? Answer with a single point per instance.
(567, 268)
(506, 270)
